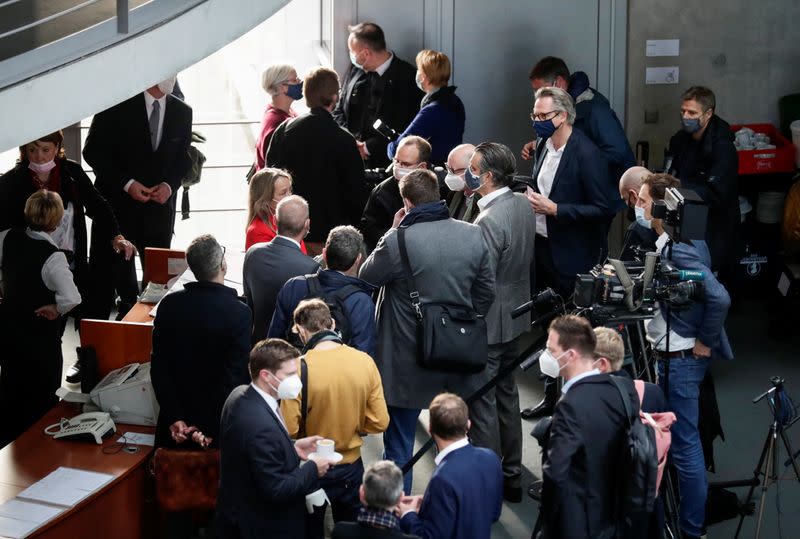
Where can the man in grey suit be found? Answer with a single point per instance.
(451, 264)
(508, 227)
(267, 266)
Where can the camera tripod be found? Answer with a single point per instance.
(766, 471)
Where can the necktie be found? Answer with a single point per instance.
(154, 124)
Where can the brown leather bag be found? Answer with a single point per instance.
(186, 480)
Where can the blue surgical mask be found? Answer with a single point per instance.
(295, 91)
(354, 60)
(472, 181)
(641, 219)
(419, 83)
(691, 125)
(544, 129)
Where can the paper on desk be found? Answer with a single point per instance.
(72, 396)
(137, 438)
(176, 265)
(65, 486)
(175, 285)
(19, 518)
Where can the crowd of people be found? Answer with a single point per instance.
(325, 344)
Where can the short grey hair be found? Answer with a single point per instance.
(342, 247)
(499, 160)
(562, 101)
(383, 484)
(291, 215)
(273, 76)
(204, 256)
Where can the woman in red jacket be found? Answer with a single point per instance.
(280, 82)
(268, 186)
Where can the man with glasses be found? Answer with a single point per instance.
(201, 342)
(572, 199)
(463, 200)
(702, 156)
(412, 153)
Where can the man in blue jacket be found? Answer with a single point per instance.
(465, 494)
(595, 117)
(696, 335)
(343, 255)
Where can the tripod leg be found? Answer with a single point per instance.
(792, 456)
(671, 519)
(769, 472)
(756, 473)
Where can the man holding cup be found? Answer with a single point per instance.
(343, 400)
(264, 475)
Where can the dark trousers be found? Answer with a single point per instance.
(495, 416)
(341, 484)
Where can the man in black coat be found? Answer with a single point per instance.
(139, 152)
(582, 464)
(201, 340)
(267, 266)
(704, 159)
(378, 85)
(264, 475)
(640, 237)
(323, 159)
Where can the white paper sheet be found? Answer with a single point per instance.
(663, 47)
(137, 438)
(175, 266)
(65, 486)
(662, 75)
(16, 529)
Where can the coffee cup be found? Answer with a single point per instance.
(325, 448)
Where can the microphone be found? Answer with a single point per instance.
(691, 275)
(531, 361)
(544, 297)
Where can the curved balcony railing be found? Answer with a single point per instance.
(37, 36)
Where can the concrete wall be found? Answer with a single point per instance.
(747, 51)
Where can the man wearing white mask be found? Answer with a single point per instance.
(463, 200)
(138, 150)
(580, 470)
(264, 475)
(378, 85)
(413, 153)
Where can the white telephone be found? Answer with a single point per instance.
(93, 426)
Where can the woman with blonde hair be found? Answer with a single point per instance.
(268, 186)
(284, 87)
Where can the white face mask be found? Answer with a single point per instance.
(400, 172)
(641, 219)
(167, 85)
(549, 364)
(41, 168)
(288, 388)
(454, 182)
(354, 60)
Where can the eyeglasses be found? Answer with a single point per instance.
(222, 258)
(456, 171)
(402, 164)
(542, 116)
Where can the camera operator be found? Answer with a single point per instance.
(696, 334)
(412, 153)
(640, 235)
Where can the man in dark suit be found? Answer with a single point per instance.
(201, 338)
(581, 466)
(451, 265)
(465, 494)
(264, 475)
(323, 159)
(462, 202)
(267, 266)
(508, 227)
(378, 85)
(380, 492)
(573, 200)
(139, 152)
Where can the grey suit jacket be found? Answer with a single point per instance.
(509, 229)
(267, 267)
(451, 265)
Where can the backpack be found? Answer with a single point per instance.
(639, 460)
(660, 422)
(335, 302)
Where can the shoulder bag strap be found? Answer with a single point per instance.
(414, 294)
(625, 399)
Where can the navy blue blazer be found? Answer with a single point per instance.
(586, 202)
(463, 499)
(262, 484)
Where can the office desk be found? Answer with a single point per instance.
(118, 510)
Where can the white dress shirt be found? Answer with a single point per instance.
(56, 274)
(545, 180)
(449, 449)
(381, 69)
(148, 106)
(657, 327)
(484, 200)
(569, 383)
(273, 405)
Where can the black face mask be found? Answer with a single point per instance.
(631, 214)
